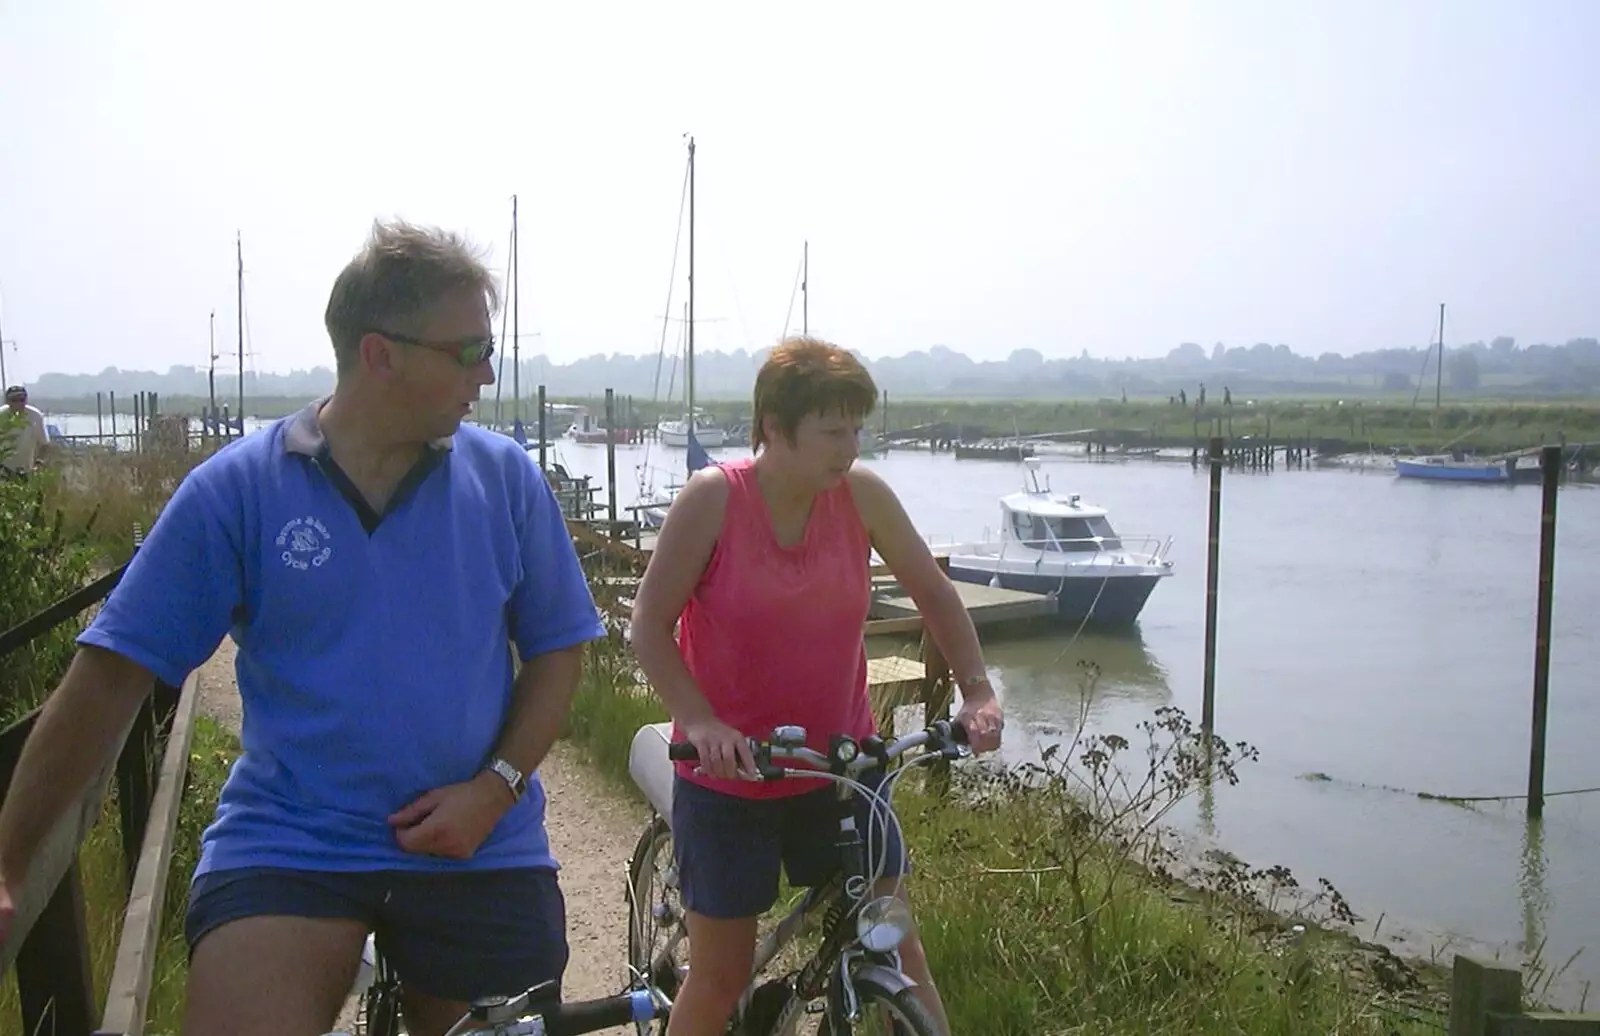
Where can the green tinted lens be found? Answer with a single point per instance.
(473, 353)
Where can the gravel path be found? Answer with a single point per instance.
(592, 830)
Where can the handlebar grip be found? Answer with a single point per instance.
(594, 1015)
(683, 752)
(958, 733)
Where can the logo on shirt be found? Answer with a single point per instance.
(304, 543)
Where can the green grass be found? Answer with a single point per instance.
(612, 701)
(1010, 947)
(1357, 423)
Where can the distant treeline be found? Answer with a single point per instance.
(1496, 369)
(1336, 424)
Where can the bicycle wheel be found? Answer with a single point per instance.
(883, 1013)
(658, 939)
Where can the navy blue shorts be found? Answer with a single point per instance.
(456, 935)
(728, 849)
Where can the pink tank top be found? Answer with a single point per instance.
(773, 635)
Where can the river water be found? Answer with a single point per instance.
(1376, 631)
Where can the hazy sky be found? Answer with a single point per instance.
(1114, 176)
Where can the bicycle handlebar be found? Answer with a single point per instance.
(787, 744)
(523, 1016)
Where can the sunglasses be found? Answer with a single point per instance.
(467, 353)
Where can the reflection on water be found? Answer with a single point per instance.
(1051, 683)
(1535, 901)
(1206, 822)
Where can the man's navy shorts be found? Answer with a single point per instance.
(728, 849)
(456, 935)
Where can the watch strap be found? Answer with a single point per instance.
(515, 781)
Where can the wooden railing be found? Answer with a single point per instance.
(48, 940)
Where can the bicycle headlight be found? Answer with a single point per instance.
(883, 924)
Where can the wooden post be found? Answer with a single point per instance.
(99, 422)
(937, 691)
(611, 460)
(54, 980)
(541, 429)
(1476, 990)
(1486, 1000)
(1550, 464)
(134, 784)
(1213, 542)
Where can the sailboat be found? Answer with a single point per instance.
(695, 431)
(695, 424)
(518, 430)
(1449, 467)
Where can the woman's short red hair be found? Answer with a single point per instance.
(809, 376)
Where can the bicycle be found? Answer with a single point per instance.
(538, 1011)
(855, 971)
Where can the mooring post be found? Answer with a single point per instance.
(1213, 540)
(611, 461)
(541, 431)
(1550, 468)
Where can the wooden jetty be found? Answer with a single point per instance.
(1004, 451)
(988, 605)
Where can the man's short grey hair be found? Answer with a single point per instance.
(400, 273)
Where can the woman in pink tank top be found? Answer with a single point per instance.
(763, 567)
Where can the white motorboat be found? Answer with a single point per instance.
(1060, 546)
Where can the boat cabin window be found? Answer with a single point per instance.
(1065, 533)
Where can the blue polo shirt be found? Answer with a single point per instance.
(374, 651)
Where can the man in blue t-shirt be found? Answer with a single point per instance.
(377, 562)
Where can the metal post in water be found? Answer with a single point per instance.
(1550, 468)
(113, 420)
(99, 422)
(1213, 541)
(611, 460)
(541, 428)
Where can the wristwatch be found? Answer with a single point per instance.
(511, 775)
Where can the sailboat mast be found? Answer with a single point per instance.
(211, 371)
(516, 336)
(239, 247)
(688, 393)
(1438, 384)
(805, 290)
